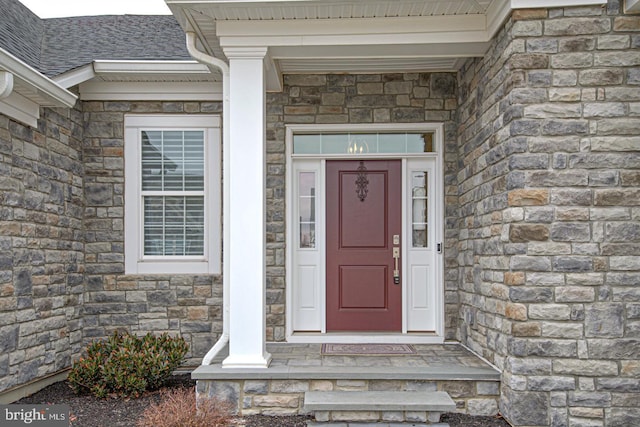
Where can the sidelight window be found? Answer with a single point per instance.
(420, 204)
(307, 209)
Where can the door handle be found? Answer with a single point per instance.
(396, 271)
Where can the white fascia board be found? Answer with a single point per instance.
(531, 4)
(46, 88)
(151, 91)
(232, 2)
(632, 6)
(75, 77)
(497, 13)
(149, 67)
(359, 40)
(376, 52)
(21, 109)
(350, 32)
(352, 27)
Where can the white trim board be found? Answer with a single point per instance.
(529, 4)
(368, 338)
(104, 80)
(21, 109)
(43, 90)
(151, 91)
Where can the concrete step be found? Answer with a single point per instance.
(378, 406)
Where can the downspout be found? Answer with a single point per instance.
(6, 84)
(219, 64)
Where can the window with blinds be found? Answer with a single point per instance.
(172, 164)
(172, 194)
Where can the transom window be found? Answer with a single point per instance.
(363, 143)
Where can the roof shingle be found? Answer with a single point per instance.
(54, 46)
(21, 32)
(69, 43)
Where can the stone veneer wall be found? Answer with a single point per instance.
(188, 305)
(41, 245)
(356, 99)
(549, 192)
(275, 397)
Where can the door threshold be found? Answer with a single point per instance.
(365, 338)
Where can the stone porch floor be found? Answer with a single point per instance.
(295, 369)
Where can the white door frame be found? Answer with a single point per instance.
(436, 158)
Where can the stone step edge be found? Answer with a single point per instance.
(421, 401)
(378, 424)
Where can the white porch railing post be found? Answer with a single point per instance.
(247, 209)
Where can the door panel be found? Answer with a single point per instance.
(363, 287)
(363, 213)
(365, 220)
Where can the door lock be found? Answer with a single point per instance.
(396, 271)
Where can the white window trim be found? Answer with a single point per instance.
(135, 262)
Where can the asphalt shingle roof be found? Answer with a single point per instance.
(72, 42)
(20, 32)
(54, 46)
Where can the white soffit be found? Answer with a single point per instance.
(25, 90)
(149, 80)
(363, 65)
(234, 10)
(336, 9)
(33, 85)
(354, 35)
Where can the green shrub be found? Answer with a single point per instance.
(126, 365)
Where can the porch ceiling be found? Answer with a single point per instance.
(222, 10)
(353, 36)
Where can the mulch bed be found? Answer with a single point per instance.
(89, 411)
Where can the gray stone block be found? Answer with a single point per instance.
(525, 408)
(622, 417)
(572, 264)
(589, 399)
(604, 320)
(577, 26)
(22, 283)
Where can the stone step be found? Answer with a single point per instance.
(377, 424)
(378, 406)
(378, 401)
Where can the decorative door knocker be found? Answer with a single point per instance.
(362, 182)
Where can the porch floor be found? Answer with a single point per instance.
(305, 361)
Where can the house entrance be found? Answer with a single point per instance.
(364, 228)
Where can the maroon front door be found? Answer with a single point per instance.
(363, 216)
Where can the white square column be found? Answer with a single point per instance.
(246, 221)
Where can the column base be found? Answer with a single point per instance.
(261, 361)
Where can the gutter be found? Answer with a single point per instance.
(54, 94)
(219, 64)
(6, 84)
